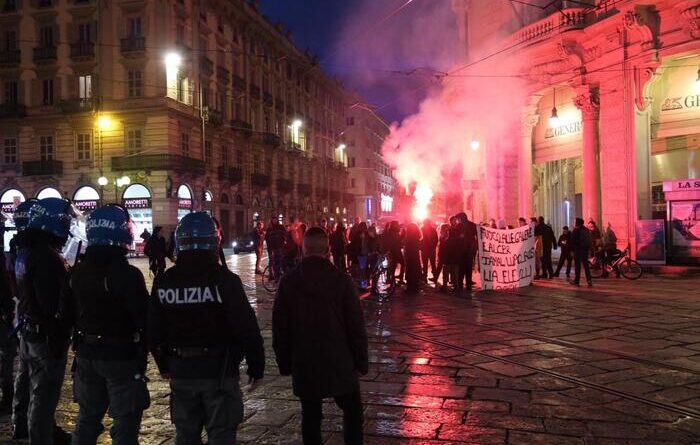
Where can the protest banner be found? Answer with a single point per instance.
(507, 257)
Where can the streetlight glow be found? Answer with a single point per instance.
(342, 147)
(102, 181)
(474, 144)
(297, 123)
(104, 122)
(172, 60)
(125, 180)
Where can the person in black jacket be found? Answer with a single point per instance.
(549, 242)
(566, 252)
(319, 338)
(200, 327)
(467, 247)
(156, 251)
(338, 243)
(108, 302)
(428, 249)
(41, 275)
(581, 242)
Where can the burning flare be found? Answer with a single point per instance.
(423, 195)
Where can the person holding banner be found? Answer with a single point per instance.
(467, 251)
(582, 242)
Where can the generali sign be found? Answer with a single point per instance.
(682, 185)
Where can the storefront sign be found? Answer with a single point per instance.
(137, 203)
(8, 207)
(563, 130)
(651, 241)
(681, 102)
(86, 205)
(184, 204)
(682, 185)
(506, 257)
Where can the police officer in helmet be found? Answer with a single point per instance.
(41, 276)
(200, 328)
(109, 302)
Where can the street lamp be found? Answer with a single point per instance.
(102, 181)
(172, 61)
(474, 144)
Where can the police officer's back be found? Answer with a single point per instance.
(109, 301)
(200, 328)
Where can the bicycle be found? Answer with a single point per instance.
(628, 268)
(269, 281)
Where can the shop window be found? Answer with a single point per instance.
(83, 146)
(10, 151)
(46, 148)
(134, 141)
(47, 92)
(135, 83)
(185, 144)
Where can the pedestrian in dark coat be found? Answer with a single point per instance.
(156, 251)
(319, 338)
(566, 252)
(412, 258)
(394, 245)
(467, 250)
(338, 244)
(549, 242)
(428, 249)
(443, 266)
(581, 242)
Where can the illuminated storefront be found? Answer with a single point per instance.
(184, 201)
(9, 200)
(137, 199)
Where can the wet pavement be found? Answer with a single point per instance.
(548, 364)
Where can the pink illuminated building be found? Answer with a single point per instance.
(624, 77)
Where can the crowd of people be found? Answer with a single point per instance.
(196, 323)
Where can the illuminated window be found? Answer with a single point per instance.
(46, 151)
(83, 147)
(134, 83)
(85, 86)
(134, 141)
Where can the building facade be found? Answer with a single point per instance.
(611, 114)
(371, 179)
(167, 106)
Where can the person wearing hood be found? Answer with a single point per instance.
(319, 338)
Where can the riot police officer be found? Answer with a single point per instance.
(41, 276)
(200, 328)
(109, 302)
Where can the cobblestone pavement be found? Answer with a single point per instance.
(548, 364)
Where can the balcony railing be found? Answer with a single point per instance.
(150, 162)
(77, 105)
(216, 117)
(559, 22)
(304, 189)
(271, 139)
(242, 126)
(239, 83)
(12, 110)
(260, 180)
(82, 50)
(206, 65)
(45, 54)
(223, 75)
(42, 168)
(230, 174)
(133, 45)
(285, 185)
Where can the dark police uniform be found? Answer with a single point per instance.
(200, 328)
(41, 275)
(110, 303)
(8, 342)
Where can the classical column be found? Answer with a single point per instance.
(525, 190)
(589, 104)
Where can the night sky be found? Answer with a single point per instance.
(364, 43)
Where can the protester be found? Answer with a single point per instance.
(319, 338)
(198, 342)
(412, 258)
(452, 248)
(522, 222)
(108, 300)
(394, 244)
(548, 241)
(581, 242)
(275, 238)
(610, 251)
(428, 249)
(155, 250)
(444, 265)
(258, 236)
(596, 239)
(566, 252)
(468, 245)
(359, 249)
(338, 244)
(539, 251)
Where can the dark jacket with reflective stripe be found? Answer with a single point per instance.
(109, 300)
(318, 330)
(200, 304)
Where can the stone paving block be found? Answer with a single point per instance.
(506, 369)
(507, 421)
(382, 387)
(565, 427)
(505, 395)
(435, 415)
(402, 428)
(270, 417)
(436, 370)
(405, 400)
(446, 391)
(523, 438)
(477, 405)
(633, 386)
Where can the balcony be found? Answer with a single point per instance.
(165, 162)
(254, 91)
(216, 117)
(239, 83)
(267, 98)
(304, 189)
(133, 46)
(285, 185)
(260, 180)
(45, 54)
(557, 23)
(271, 139)
(77, 105)
(82, 51)
(230, 174)
(12, 111)
(42, 168)
(9, 58)
(223, 75)
(242, 126)
(206, 66)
